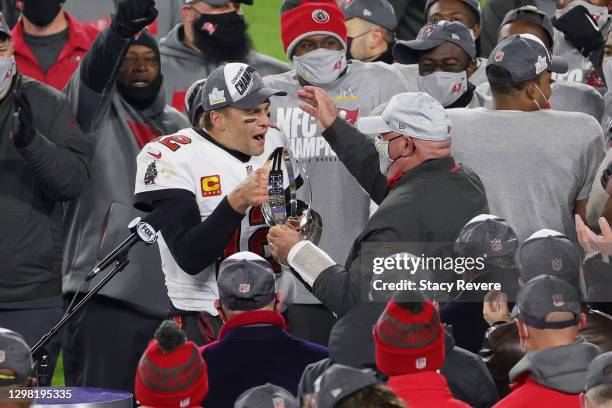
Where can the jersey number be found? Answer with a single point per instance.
(174, 142)
(257, 241)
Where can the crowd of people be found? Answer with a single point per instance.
(424, 130)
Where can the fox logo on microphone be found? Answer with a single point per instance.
(146, 232)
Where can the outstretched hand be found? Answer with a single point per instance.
(592, 242)
(319, 105)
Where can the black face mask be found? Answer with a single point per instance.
(41, 12)
(141, 98)
(222, 37)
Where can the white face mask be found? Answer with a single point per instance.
(321, 66)
(600, 14)
(446, 87)
(7, 72)
(546, 104)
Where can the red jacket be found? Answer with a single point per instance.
(80, 37)
(424, 390)
(528, 393)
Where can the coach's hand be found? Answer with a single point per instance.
(281, 239)
(132, 16)
(251, 192)
(319, 105)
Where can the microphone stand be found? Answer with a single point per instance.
(41, 357)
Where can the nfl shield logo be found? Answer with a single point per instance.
(244, 288)
(557, 264)
(499, 56)
(421, 363)
(496, 245)
(558, 300)
(278, 402)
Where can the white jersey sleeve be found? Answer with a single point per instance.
(161, 165)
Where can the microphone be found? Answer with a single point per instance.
(144, 230)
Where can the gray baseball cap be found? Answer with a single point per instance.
(533, 15)
(430, 37)
(417, 115)
(474, 5)
(548, 252)
(193, 99)
(543, 295)
(266, 396)
(235, 84)
(340, 381)
(600, 371)
(379, 12)
(4, 28)
(525, 57)
(246, 282)
(15, 358)
(487, 236)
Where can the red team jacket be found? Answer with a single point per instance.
(528, 393)
(424, 390)
(80, 37)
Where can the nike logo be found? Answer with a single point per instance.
(157, 156)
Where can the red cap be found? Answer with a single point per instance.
(312, 18)
(409, 339)
(177, 378)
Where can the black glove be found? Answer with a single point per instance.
(580, 30)
(132, 16)
(22, 126)
(606, 182)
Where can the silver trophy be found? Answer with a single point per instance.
(283, 206)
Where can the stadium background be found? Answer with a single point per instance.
(264, 28)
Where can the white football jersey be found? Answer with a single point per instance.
(188, 161)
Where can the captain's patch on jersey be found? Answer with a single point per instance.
(211, 186)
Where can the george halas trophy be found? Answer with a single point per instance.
(287, 175)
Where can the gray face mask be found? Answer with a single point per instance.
(8, 70)
(321, 66)
(382, 147)
(446, 87)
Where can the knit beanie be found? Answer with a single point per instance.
(146, 39)
(171, 372)
(305, 18)
(408, 336)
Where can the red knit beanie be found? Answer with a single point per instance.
(171, 372)
(409, 338)
(312, 17)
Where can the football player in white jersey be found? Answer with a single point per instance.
(209, 181)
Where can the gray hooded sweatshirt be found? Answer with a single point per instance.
(182, 66)
(561, 368)
(97, 221)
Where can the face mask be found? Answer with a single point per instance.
(382, 147)
(321, 66)
(349, 44)
(546, 104)
(600, 14)
(41, 12)
(141, 98)
(222, 37)
(7, 72)
(446, 87)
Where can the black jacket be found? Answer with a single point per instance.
(428, 204)
(34, 181)
(351, 343)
